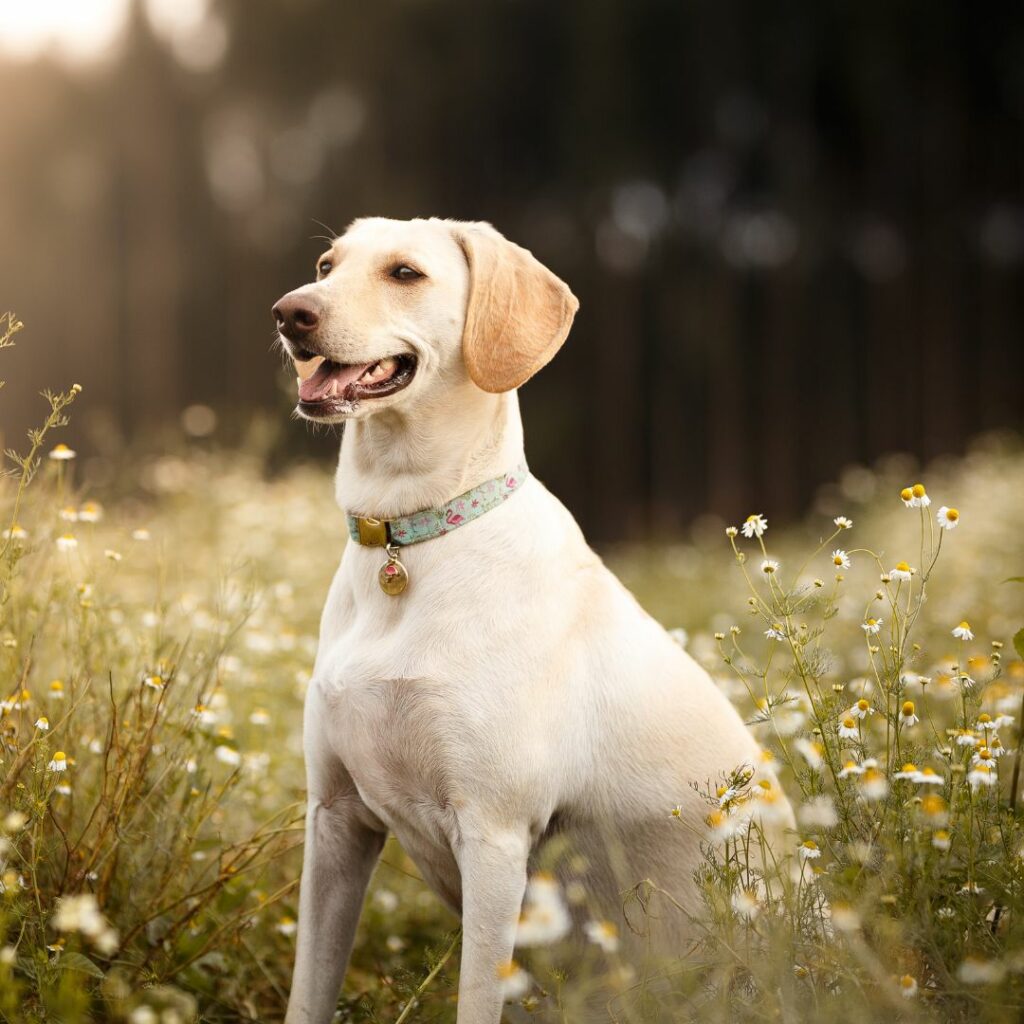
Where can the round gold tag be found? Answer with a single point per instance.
(393, 577)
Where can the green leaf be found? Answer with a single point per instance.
(78, 962)
(1018, 642)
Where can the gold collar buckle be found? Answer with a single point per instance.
(372, 532)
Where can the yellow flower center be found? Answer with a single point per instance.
(903, 567)
(964, 625)
(952, 514)
(985, 754)
(908, 708)
(984, 717)
(918, 490)
(906, 494)
(849, 723)
(910, 767)
(872, 622)
(863, 705)
(907, 981)
(810, 844)
(60, 756)
(838, 559)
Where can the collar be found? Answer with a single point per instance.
(436, 522)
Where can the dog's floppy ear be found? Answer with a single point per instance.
(518, 313)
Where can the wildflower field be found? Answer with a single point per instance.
(156, 640)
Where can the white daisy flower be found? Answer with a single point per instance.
(67, 542)
(62, 453)
(874, 785)
(812, 752)
(59, 762)
(902, 572)
(1002, 721)
(808, 850)
(15, 532)
(843, 523)
(871, 626)
(731, 531)
(963, 631)
(862, 709)
(69, 515)
(929, 777)
(840, 559)
(259, 716)
(776, 632)
(908, 986)
(981, 775)
(908, 714)
(755, 525)
(515, 982)
(769, 565)
(985, 723)
(90, 512)
(287, 926)
(818, 812)
(56, 690)
(745, 903)
(851, 768)
(941, 839)
(909, 771)
(545, 917)
(948, 518)
(848, 728)
(603, 934)
(983, 756)
(920, 499)
(966, 738)
(43, 723)
(227, 755)
(720, 826)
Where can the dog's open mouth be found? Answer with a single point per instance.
(333, 385)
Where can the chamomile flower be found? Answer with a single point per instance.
(808, 850)
(59, 762)
(227, 755)
(745, 903)
(963, 631)
(983, 756)
(818, 812)
(907, 496)
(603, 934)
(69, 515)
(259, 716)
(66, 542)
(720, 826)
(90, 512)
(153, 682)
(908, 714)
(908, 986)
(287, 926)
(1002, 721)
(840, 559)
(902, 572)
(929, 777)
(948, 518)
(985, 723)
(848, 728)
(851, 768)
(873, 784)
(843, 523)
(62, 453)
(15, 532)
(966, 738)
(731, 531)
(920, 497)
(755, 525)
(981, 775)
(941, 839)
(545, 917)
(775, 632)
(515, 982)
(769, 566)
(909, 771)
(43, 723)
(812, 751)
(56, 690)
(871, 626)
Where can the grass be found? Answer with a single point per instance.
(159, 637)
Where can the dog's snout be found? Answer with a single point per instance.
(296, 316)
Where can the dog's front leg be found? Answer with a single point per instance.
(493, 869)
(339, 857)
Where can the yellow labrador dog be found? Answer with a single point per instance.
(482, 681)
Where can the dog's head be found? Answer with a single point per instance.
(402, 309)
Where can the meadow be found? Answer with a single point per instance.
(156, 639)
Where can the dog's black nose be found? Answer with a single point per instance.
(296, 317)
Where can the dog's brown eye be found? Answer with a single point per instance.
(404, 273)
(324, 267)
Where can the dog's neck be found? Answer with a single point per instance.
(394, 463)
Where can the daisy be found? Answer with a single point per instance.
(43, 723)
(731, 531)
(56, 690)
(981, 775)
(67, 542)
(874, 785)
(941, 839)
(141, 534)
(902, 572)
(920, 498)
(929, 777)
(983, 756)
(755, 525)
(808, 850)
(69, 515)
(948, 518)
(744, 902)
(848, 728)
(840, 559)
(851, 768)
(603, 934)
(227, 755)
(769, 565)
(59, 762)
(812, 752)
(908, 771)
(515, 982)
(985, 723)
(843, 523)
(966, 738)
(15, 532)
(259, 716)
(963, 631)
(818, 812)
(90, 512)
(871, 626)
(154, 682)
(1002, 722)
(845, 918)
(862, 709)
(908, 986)
(720, 826)
(907, 497)
(62, 453)
(776, 632)
(545, 917)
(907, 714)
(287, 926)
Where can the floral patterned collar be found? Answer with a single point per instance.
(436, 522)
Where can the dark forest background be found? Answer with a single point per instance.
(796, 230)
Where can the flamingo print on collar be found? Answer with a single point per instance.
(436, 522)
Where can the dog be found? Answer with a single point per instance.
(483, 682)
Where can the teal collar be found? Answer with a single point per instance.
(436, 522)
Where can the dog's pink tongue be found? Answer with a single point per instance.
(330, 379)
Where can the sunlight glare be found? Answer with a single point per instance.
(79, 31)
